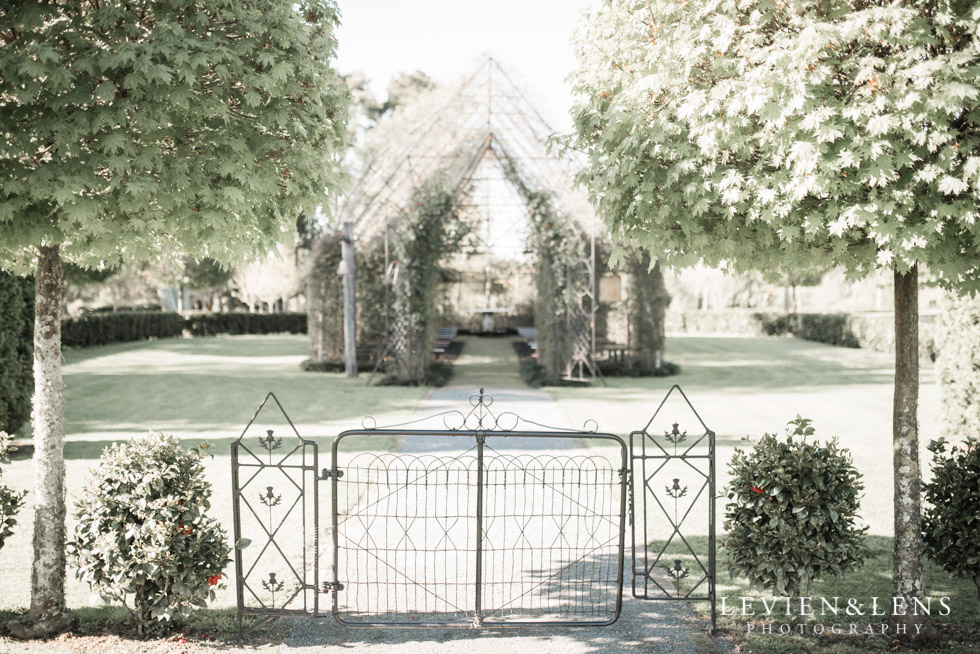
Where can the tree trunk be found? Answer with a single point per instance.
(350, 326)
(48, 611)
(907, 572)
(648, 303)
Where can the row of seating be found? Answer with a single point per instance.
(527, 333)
(444, 336)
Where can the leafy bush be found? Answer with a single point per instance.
(958, 366)
(125, 326)
(535, 375)
(211, 324)
(120, 327)
(10, 501)
(613, 368)
(951, 525)
(437, 373)
(871, 332)
(792, 510)
(16, 351)
(143, 536)
(308, 365)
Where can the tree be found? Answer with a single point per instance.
(647, 304)
(780, 136)
(195, 127)
(274, 278)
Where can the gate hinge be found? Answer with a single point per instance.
(328, 473)
(625, 474)
(331, 586)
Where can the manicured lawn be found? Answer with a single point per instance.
(203, 389)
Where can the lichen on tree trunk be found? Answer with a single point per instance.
(48, 574)
(907, 571)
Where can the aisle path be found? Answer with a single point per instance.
(491, 364)
(649, 627)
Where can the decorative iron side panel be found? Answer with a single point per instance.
(673, 512)
(276, 527)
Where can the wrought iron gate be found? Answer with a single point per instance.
(501, 528)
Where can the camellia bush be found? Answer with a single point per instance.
(951, 524)
(10, 500)
(143, 538)
(792, 511)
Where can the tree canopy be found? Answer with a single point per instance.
(771, 135)
(192, 127)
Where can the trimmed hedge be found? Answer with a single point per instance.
(871, 332)
(127, 326)
(120, 327)
(211, 324)
(958, 366)
(16, 351)
(612, 368)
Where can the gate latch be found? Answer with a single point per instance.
(332, 586)
(328, 473)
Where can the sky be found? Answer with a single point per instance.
(532, 39)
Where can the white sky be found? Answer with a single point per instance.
(445, 39)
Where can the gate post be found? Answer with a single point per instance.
(350, 325)
(481, 438)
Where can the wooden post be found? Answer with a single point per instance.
(350, 326)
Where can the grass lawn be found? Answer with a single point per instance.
(203, 389)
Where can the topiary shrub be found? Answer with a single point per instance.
(958, 366)
(792, 511)
(143, 538)
(630, 368)
(951, 524)
(10, 501)
(120, 327)
(16, 351)
(212, 324)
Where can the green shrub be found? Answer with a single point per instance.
(211, 324)
(437, 373)
(120, 327)
(10, 501)
(16, 351)
(951, 524)
(791, 512)
(958, 366)
(871, 332)
(535, 375)
(143, 538)
(308, 365)
(613, 368)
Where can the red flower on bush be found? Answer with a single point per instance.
(186, 530)
(756, 489)
(214, 579)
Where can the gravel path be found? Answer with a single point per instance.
(558, 533)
